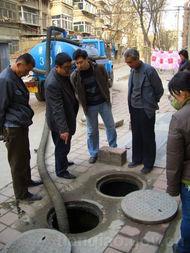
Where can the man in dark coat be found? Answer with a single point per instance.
(61, 111)
(15, 118)
(144, 92)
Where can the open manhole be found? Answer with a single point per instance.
(119, 185)
(83, 216)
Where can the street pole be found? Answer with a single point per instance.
(177, 41)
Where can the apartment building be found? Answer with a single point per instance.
(21, 22)
(62, 14)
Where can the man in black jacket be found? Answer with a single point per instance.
(61, 111)
(15, 118)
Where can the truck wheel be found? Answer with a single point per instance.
(40, 95)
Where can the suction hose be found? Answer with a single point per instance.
(50, 187)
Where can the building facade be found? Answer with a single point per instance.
(22, 21)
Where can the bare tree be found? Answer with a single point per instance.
(121, 19)
(149, 15)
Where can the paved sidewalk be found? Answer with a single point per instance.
(131, 237)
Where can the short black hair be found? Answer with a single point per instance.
(80, 53)
(185, 54)
(62, 58)
(180, 82)
(27, 58)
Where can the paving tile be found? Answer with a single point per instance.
(3, 211)
(3, 198)
(8, 191)
(144, 248)
(122, 243)
(129, 230)
(9, 218)
(160, 184)
(9, 235)
(2, 226)
(152, 238)
(1, 245)
(111, 250)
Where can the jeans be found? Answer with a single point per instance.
(183, 245)
(61, 152)
(104, 110)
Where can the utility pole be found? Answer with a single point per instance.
(178, 10)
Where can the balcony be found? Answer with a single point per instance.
(85, 7)
(29, 17)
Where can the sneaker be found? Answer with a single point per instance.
(31, 197)
(92, 159)
(33, 183)
(67, 175)
(70, 163)
(146, 170)
(133, 164)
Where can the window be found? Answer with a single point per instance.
(29, 16)
(63, 21)
(13, 46)
(8, 10)
(44, 20)
(69, 2)
(83, 27)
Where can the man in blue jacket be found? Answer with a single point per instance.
(144, 92)
(61, 111)
(15, 118)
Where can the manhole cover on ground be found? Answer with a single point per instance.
(40, 241)
(149, 206)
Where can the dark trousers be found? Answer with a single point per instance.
(143, 138)
(18, 148)
(61, 152)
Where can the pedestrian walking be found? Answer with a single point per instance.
(144, 92)
(61, 112)
(15, 119)
(90, 81)
(178, 155)
(184, 63)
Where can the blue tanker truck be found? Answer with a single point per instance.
(44, 54)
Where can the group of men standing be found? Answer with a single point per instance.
(88, 85)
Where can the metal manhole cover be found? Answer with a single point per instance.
(40, 241)
(149, 206)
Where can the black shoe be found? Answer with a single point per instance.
(31, 197)
(133, 164)
(33, 183)
(67, 175)
(146, 170)
(70, 163)
(174, 248)
(92, 159)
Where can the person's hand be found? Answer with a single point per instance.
(64, 137)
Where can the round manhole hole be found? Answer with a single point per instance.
(119, 185)
(39, 241)
(83, 216)
(149, 206)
